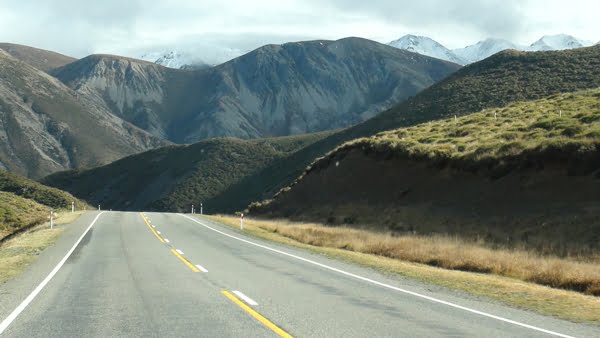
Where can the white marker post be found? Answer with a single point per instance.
(192, 209)
(242, 221)
(98, 207)
(72, 207)
(51, 220)
(201, 212)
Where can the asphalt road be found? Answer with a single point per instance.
(173, 276)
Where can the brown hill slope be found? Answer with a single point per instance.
(41, 59)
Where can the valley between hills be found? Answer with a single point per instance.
(321, 143)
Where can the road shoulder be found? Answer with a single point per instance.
(40, 263)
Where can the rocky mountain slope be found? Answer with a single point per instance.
(275, 90)
(47, 127)
(41, 59)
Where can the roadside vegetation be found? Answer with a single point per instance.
(20, 251)
(17, 213)
(25, 203)
(518, 277)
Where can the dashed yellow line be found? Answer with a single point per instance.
(152, 229)
(256, 315)
(185, 261)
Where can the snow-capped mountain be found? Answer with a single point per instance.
(558, 42)
(426, 46)
(175, 59)
(199, 56)
(484, 49)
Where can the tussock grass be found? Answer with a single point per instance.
(559, 123)
(569, 305)
(581, 274)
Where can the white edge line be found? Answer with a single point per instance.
(179, 251)
(481, 313)
(16, 312)
(166, 240)
(245, 298)
(201, 268)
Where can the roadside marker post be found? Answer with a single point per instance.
(51, 219)
(98, 207)
(192, 209)
(72, 207)
(201, 212)
(242, 221)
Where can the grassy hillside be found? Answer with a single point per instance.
(503, 78)
(175, 177)
(17, 212)
(527, 175)
(561, 127)
(28, 189)
(24, 203)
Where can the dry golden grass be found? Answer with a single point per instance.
(17, 253)
(513, 277)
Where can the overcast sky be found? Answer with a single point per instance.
(131, 27)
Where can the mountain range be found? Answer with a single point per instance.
(485, 48)
(276, 90)
(59, 113)
(506, 77)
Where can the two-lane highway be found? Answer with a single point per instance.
(151, 274)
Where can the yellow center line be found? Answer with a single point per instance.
(151, 229)
(185, 261)
(256, 315)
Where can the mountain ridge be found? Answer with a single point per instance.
(485, 48)
(47, 127)
(275, 90)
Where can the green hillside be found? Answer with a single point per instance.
(29, 189)
(17, 212)
(24, 202)
(175, 177)
(565, 124)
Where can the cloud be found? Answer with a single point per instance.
(499, 18)
(80, 27)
